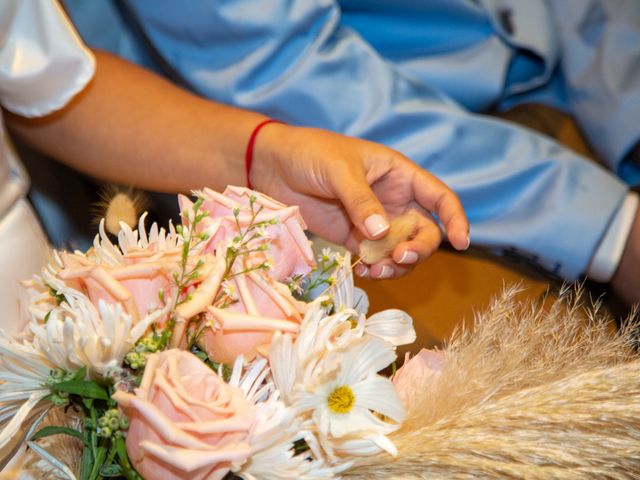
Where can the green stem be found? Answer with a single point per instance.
(127, 469)
(97, 462)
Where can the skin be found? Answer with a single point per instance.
(626, 280)
(132, 127)
(335, 196)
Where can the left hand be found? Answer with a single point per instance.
(348, 188)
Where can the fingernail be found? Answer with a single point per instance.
(376, 225)
(468, 242)
(408, 257)
(386, 272)
(361, 270)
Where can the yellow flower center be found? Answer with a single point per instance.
(341, 400)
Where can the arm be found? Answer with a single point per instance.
(130, 126)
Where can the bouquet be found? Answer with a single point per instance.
(221, 348)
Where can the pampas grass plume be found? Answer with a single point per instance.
(527, 393)
(119, 204)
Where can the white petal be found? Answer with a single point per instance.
(394, 326)
(357, 422)
(369, 356)
(21, 415)
(53, 461)
(366, 446)
(283, 364)
(379, 395)
(360, 301)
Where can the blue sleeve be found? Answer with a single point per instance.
(600, 62)
(293, 60)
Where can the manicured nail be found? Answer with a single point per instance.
(408, 257)
(376, 225)
(361, 270)
(386, 272)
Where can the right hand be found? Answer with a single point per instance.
(348, 188)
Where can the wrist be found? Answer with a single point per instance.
(269, 144)
(610, 250)
(625, 280)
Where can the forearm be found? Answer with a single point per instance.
(132, 127)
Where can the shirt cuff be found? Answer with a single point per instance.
(607, 256)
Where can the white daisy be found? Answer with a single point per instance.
(275, 432)
(329, 376)
(348, 403)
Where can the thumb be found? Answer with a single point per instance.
(363, 207)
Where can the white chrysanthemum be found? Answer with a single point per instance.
(24, 372)
(36, 297)
(275, 432)
(77, 335)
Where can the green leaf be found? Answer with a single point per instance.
(87, 462)
(54, 430)
(201, 355)
(101, 455)
(80, 374)
(83, 388)
(88, 403)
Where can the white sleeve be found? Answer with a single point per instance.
(609, 252)
(43, 62)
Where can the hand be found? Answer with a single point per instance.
(347, 190)
(626, 280)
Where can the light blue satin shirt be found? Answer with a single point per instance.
(409, 74)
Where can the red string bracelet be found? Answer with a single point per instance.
(248, 156)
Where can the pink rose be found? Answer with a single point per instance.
(136, 283)
(289, 248)
(416, 372)
(185, 421)
(261, 306)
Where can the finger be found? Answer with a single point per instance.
(423, 244)
(434, 195)
(362, 205)
(387, 268)
(362, 270)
